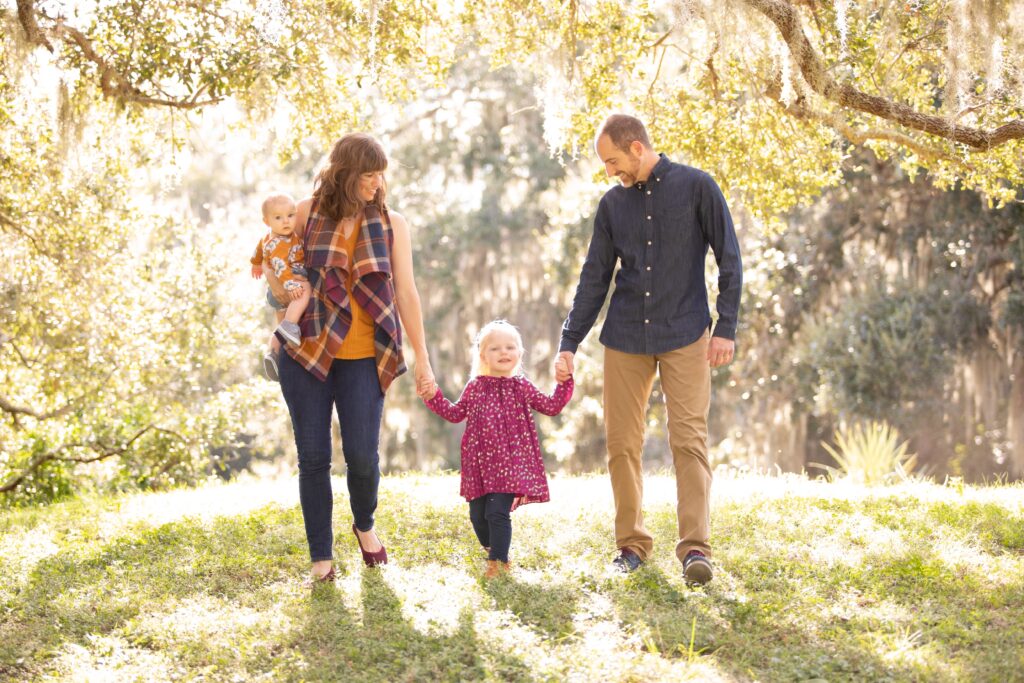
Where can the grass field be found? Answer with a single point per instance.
(814, 581)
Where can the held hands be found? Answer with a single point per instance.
(720, 351)
(257, 272)
(426, 387)
(564, 366)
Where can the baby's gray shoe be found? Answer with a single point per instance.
(290, 332)
(270, 366)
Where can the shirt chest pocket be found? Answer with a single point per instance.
(675, 225)
(673, 209)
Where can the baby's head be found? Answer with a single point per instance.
(279, 214)
(498, 350)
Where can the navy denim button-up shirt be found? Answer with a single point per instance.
(659, 231)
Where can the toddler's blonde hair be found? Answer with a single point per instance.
(479, 367)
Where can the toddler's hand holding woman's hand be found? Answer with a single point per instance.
(426, 386)
(257, 272)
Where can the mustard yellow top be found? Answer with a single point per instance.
(358, 343)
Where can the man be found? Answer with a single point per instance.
(657, 225)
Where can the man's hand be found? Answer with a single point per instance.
(564, 366)
(720, 351)
(257, 272)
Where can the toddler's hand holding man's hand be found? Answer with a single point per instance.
(563, 367)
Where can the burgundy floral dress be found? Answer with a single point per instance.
(500, 449)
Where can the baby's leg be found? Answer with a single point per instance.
(289, 327)
(296, 307)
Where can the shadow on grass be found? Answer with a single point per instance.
(93, 591)
(549, 609)
(79, 594)
(912, 617)
(759, 638)
(332, 645)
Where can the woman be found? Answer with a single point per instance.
(359, 261)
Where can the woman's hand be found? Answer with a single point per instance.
(426, 387)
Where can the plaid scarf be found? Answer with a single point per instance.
(329, 315)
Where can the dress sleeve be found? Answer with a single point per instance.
(453, 412)
(257, 256)
(549, 405)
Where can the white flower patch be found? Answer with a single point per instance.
(278, 264)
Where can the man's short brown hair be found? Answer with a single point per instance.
(623, 130)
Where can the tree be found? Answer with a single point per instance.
(885, 299)
(108, 308)
(778, 100)
(934, 86)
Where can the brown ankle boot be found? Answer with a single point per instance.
(495, 568)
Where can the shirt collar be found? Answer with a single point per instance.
(657, 173)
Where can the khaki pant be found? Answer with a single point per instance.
(686, 383)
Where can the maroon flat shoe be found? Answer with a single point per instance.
(314, 581)
(371, 559)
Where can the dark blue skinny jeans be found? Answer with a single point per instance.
(492, 522)
(353, 389)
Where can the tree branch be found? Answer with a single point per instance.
(27, 18)
(9, 223)
(9, 407)
(102, 452)
(787, 20)
(801, 110)
(112, 83)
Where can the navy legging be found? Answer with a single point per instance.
(492, 522)
(353, 389)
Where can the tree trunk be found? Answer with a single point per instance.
(787, 438)
(1015, 418)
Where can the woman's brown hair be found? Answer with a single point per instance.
(337, 185)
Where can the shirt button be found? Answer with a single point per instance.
(648, 218)
(647, 322)
(648, 267)
(648, 191)
(647, 293)
(649, 243)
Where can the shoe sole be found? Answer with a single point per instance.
(270, 369)
(698, 573)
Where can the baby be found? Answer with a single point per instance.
(281, 250)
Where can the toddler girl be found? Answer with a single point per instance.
(501, 462)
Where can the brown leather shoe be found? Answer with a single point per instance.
(371, 559)
(496, 568)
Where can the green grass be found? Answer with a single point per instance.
(813, 581)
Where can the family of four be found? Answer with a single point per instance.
(340, 269)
